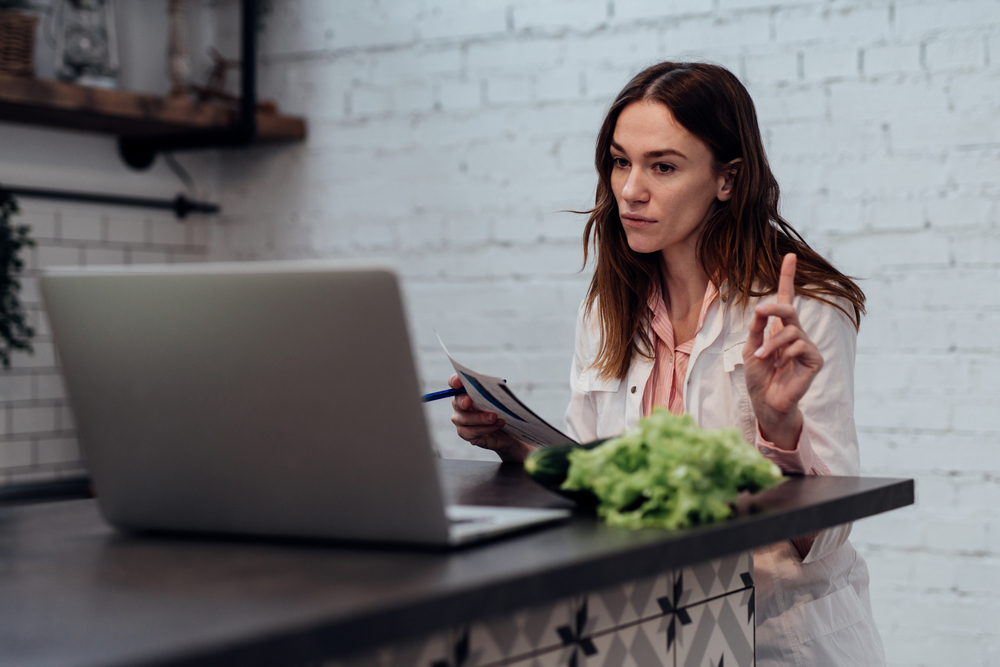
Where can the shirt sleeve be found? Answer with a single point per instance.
(581, 414)
(828, 444)
(801, 461)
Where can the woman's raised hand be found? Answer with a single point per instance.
(482, 428)
(779, 370)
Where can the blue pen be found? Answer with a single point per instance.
(447, 393)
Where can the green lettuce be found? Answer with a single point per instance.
(669, 473)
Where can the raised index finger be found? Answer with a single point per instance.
(786, 283)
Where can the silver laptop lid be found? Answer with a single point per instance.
(273, 398)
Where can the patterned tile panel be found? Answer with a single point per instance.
(720, 633)
(588, 630)
(551, 658)
(714, 578)
(637, 645)
(640, 645)
(626, 603)
(527, 632)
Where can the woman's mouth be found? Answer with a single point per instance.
(637, 221)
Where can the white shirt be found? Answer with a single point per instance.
(813, 611)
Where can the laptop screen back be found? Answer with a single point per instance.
(263, 398)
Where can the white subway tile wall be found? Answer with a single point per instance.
(37, 431)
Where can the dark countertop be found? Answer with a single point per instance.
(74, 591)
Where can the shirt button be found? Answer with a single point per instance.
(671, 358)
(724, 299)
(765, 451)
(633, 390)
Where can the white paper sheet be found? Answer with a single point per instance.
(492, 394)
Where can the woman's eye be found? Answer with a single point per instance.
(620, 162)
(663, 168)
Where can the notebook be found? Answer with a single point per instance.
(256, 398)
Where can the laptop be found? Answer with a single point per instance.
(256, 398)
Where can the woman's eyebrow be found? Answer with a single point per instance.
(652, 154)
(666, 151)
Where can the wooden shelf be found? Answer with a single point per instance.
(127, 114)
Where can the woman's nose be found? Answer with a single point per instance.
(635, 187)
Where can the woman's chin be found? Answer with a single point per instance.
(642, 246)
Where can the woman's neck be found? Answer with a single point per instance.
(684, 283)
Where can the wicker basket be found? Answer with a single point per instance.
(17, 43)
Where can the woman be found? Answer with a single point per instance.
(692, 259)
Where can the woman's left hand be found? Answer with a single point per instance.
(779, 370)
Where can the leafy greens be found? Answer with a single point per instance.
(669, 473)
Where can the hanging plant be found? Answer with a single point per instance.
(15, 334)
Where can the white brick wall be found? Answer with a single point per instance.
(883, 125)
(37, 431)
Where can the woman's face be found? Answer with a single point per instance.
(663, 180)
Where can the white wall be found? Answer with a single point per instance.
(448, 135)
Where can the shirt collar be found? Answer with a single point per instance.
(660, 320)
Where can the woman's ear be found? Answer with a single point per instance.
(726, 179)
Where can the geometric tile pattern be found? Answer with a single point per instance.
(718, 633)
(701, 616)
(627, 603)
(575, 637)
(528, 632)
(674, 612)
(708, 580)
(636, 645)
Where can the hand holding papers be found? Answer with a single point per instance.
(492, 394)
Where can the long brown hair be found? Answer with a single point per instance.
(745, 238)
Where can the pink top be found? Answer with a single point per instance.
(665, 387)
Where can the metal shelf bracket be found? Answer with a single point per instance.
(139, 152)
